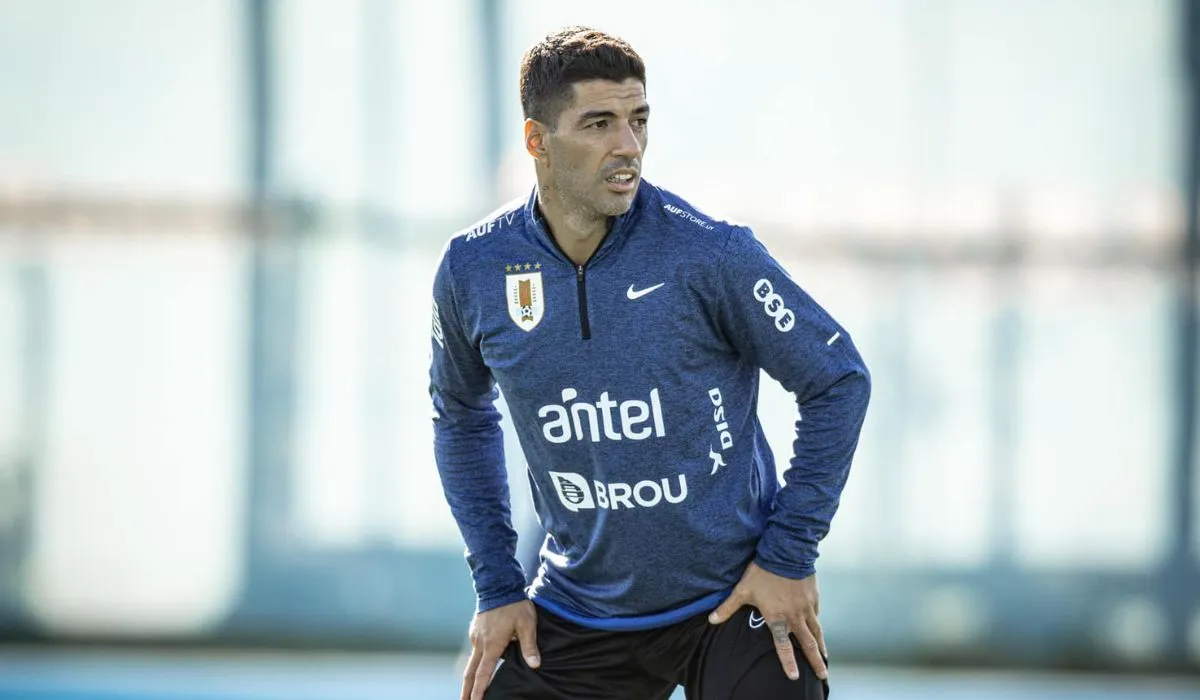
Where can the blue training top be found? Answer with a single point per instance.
(632, 382)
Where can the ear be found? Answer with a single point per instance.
(535, 139)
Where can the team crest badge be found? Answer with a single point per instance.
(526, 298)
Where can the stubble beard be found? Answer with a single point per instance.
(585, 200)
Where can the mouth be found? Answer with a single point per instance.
(622, 181)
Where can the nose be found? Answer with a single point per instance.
(627, 144)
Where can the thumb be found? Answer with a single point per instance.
(726, 609)
(527, 637)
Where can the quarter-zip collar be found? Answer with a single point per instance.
(618, 226)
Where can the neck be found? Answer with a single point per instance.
(576, 231)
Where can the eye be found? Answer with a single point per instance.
(599, 124)
(641, 122)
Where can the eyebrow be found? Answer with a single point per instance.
(609, 114)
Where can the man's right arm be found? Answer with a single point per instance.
(469, 449)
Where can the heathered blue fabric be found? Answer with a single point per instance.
(627, 418)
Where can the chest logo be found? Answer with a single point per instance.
(525, 294)
(633, 294)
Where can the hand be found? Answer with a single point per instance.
(491, 632)
(788, 605)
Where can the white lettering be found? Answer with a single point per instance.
(659, 429)
(675, 498)
(628, 422)
(559, 429)
(773, 304)
(606, 405)
(577, 411)
(601, 494)
(724, 436)
(493, 225)
(684, 214)
(574, 492)
(619, 495)
(438, 335)
(655, 494)
(583, 420)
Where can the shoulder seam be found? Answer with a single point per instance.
(729, 234)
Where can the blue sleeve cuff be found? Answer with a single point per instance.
(784, 558)
(497, 601)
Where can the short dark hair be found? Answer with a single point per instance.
(567, 56)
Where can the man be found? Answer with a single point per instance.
(627, 330)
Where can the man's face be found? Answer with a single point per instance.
(595, 153)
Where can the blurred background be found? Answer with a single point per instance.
(218, 226)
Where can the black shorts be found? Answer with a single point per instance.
(731, 661)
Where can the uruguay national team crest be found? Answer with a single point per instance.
(526, 299)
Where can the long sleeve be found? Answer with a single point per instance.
(775, 325)
(469, 449)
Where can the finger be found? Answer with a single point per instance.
(783, 647)
(814, 626)
(527, 637)
(811, 650)
(469, 674)
(726, 609)
(483, 675)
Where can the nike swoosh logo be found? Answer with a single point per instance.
(632, 293)
(499, 663)
(756, 621)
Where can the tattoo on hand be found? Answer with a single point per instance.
(779, 631)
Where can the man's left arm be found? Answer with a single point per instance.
(777, 326)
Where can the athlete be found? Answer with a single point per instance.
(627, 330)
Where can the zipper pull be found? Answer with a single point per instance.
(579, 273)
